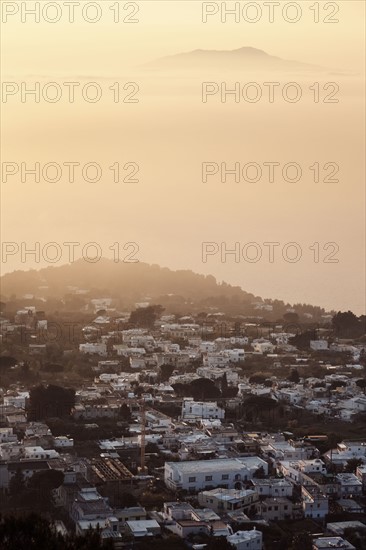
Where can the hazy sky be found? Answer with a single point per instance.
(169, 133)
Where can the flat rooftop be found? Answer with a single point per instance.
(227, 464)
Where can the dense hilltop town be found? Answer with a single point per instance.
(154, 428)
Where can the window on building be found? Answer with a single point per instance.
(208, 478)
(225, 476)
(191, 479)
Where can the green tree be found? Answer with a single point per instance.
(203, 388)
(356, 536)
(125, 412)
(42, 484)
(258, 406)
(337, 384)
(294, 376)
(257, 379)
(224, 385)
(165, 372)
(219, 543)
(181, 390)
(50, 401)
(33, 532)
(171, 542)
(6, 362)
(291, 317)
(260, 473)
(17, 483)
(302, 541)
(362, 384)
(302, 340)
(146, 316)
(352, 464)
(347, 325)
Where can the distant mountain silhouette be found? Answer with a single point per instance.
(245, 58)
(128, 283)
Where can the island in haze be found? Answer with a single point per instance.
(243, 59)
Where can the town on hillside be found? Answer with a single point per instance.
(152, 428)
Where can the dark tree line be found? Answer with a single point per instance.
(347, 325)
(50, 401)
(33, 494)
(145, 317)
(203, 388)
(35, 533)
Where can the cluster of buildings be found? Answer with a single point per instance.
(216, 478)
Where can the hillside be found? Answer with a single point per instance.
(128, 283)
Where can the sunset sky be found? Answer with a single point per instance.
(170, 132)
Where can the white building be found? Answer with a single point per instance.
(11, 451)
(7, 435)
(18, 400)
(361, 475)
(227, 500)
(156, 420)
(214, 373)
(273, 487)
(239, 340)
(216, 359)
(318, 345)
(347, 450)
(206, 347)
(235, 355)
(263, 347)
(61, 441)
(195, 410)
(144, 341)
(312, 466)
(314, 502)
(39, 453)
(332, 542)
(92, 411)
(350, 485)
(143, 528)
(177, 360)
(124, 351)
(246, 540)
(197, 475)
(137, 363)
(93, 348)
(284, 450)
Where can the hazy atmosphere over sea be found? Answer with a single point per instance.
(168, 130)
